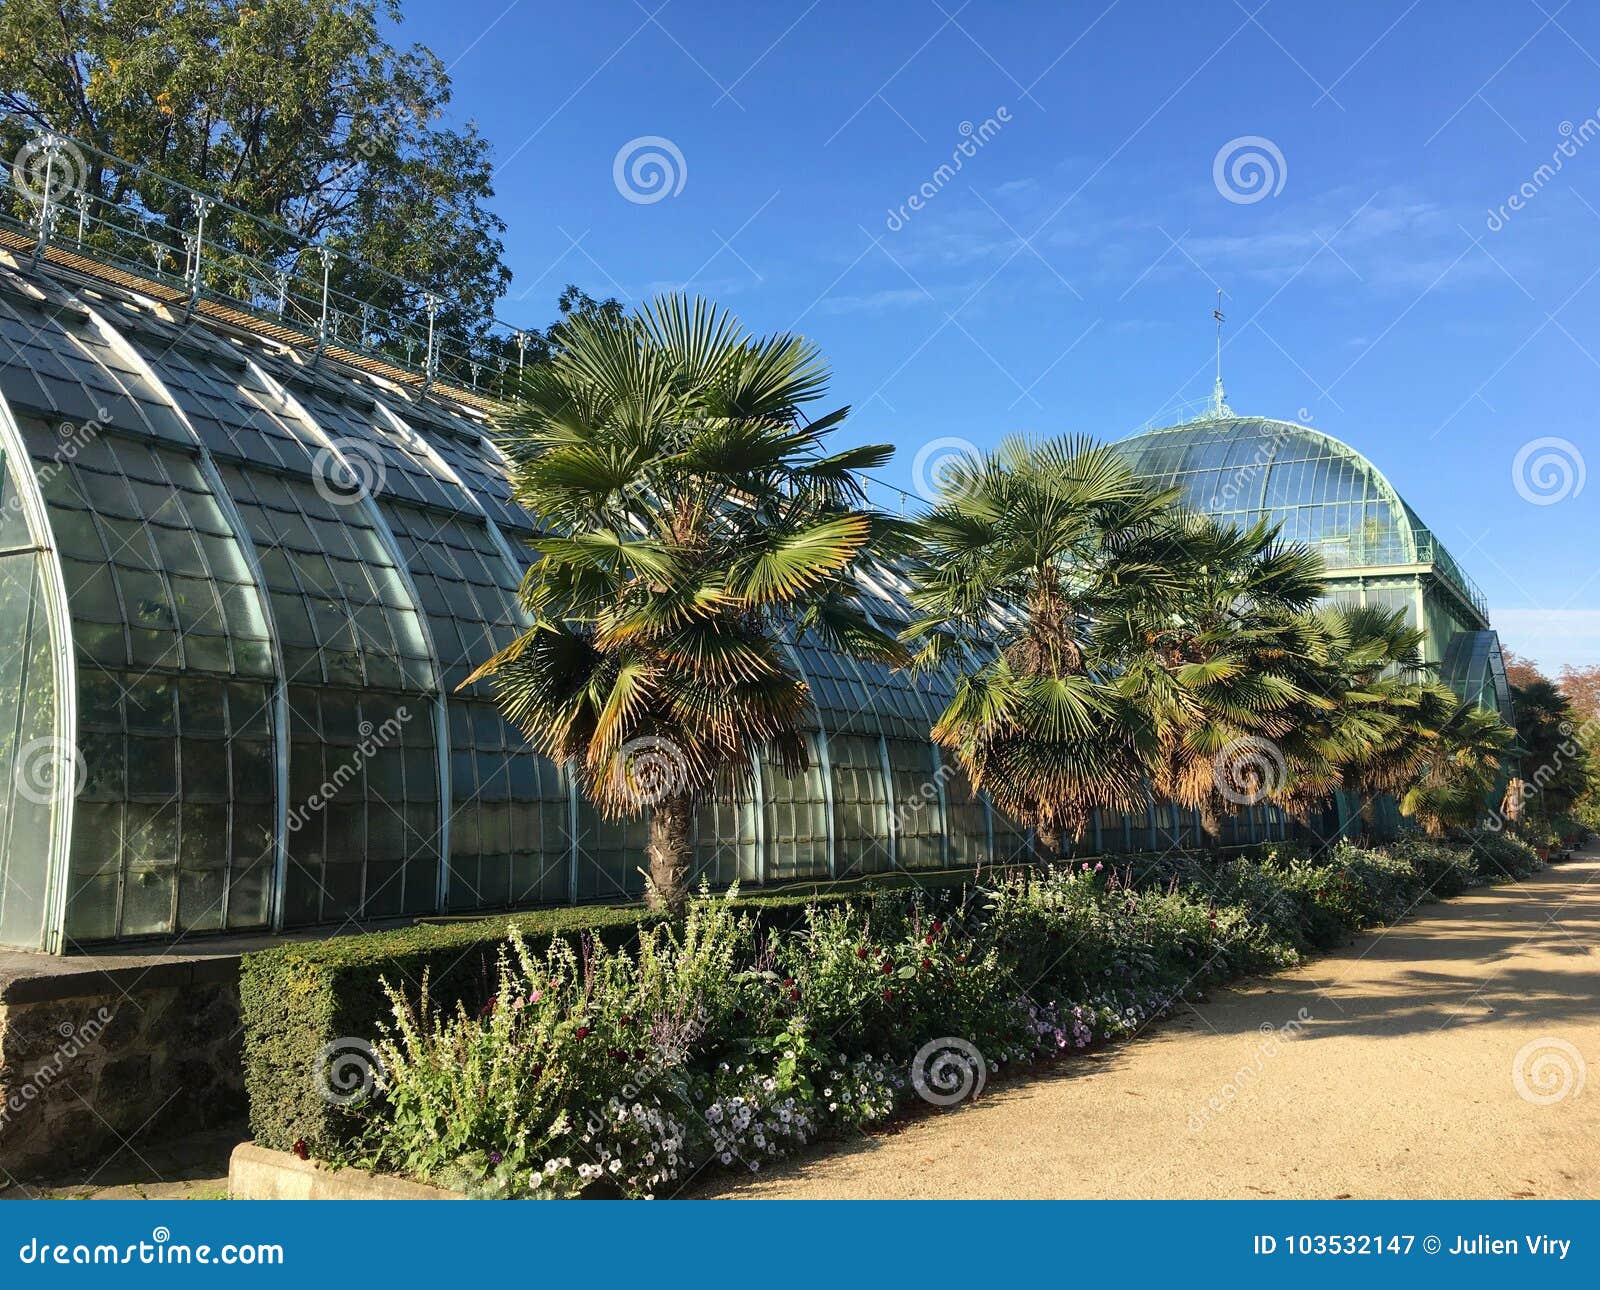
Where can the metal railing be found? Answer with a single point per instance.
(207, 254)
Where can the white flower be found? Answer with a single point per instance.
(727, 1157)
(537, 1181)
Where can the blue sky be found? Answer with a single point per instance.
(1380, 287)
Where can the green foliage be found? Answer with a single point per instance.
(298, 111)
(297, 998)
(723, 1040)
(1021, 550)
(698, 521)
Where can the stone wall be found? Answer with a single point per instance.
(94, 1060)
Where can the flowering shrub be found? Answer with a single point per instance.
(720, 1042)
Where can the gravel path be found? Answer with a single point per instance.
(1399, 1083)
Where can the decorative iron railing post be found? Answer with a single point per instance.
(522, 350)
(83, 214)
(322, 322)
(430, 363)
(202, 208)
(52, 149)
(283, 291)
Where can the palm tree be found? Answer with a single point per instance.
(1207, 653)
(696, 523)
(1467, 745)
(1022, 550)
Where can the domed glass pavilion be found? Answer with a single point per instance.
(1327, 495)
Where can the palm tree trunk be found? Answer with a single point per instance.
(669, 851)
(1211, 825)
(1369, 812)
(1047, 842)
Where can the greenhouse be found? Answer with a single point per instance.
(243, 579)
(241, 588)
(1327, 495)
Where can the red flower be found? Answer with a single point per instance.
(888, 967)
(582, 1032)
(961, 958)
(926, 964)
(788, 982)
(794, 996)
(301, 1150)
(928, 939)
(937, 927)
(888, 994)
(862, 952)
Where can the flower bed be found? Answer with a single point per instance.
(722, 1042)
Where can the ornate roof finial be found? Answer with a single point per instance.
(1219, 404)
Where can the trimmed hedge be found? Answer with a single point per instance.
(297, 999)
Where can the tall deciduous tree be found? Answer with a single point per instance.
(294, 110)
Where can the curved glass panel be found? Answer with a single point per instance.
(173, 829)
(31, 749)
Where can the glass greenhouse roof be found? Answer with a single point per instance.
(240, 589)
(1323, 492)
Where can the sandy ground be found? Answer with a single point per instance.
(1399, 1084)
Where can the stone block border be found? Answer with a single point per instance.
(254, 1173)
